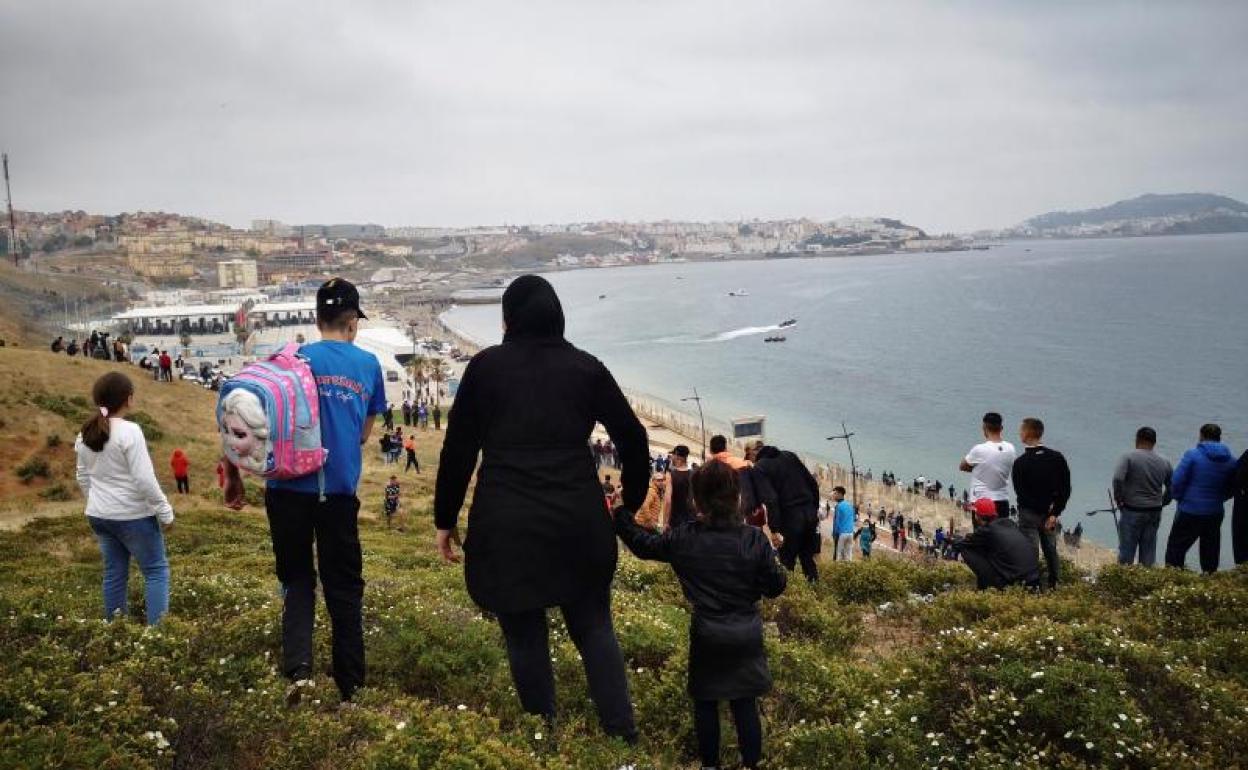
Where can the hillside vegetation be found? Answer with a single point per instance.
(1144, 207)
(888, 663)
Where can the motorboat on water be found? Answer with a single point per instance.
(774, 339)
(739, 293)
(788, 323)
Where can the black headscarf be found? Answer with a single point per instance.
(531, 310)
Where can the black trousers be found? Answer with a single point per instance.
(749, 730)
(297, 523)
(412, 462)
(589, 625)
(802, 544)
(1186, 530)
(184, 484)
(1239, 530)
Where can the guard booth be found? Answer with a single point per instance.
(746, 429)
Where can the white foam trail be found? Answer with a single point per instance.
(732, 334)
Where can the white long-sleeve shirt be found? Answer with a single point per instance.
(119, 481)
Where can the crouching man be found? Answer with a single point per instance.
(997, 552)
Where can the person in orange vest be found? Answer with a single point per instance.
(181, 468)
(410, 445)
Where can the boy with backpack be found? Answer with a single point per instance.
(321, 507)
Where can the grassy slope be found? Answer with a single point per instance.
(887, 664)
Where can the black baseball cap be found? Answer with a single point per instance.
(337, 293)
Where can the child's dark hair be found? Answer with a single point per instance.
(110, 393)
(717, 495)
(336, 318)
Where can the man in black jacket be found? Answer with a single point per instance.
(997, 552)
(797, 503)
(1042, 486)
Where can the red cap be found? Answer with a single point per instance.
(985, 508)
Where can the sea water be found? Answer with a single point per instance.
(1095, 337)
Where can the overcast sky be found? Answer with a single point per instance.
(951, 115)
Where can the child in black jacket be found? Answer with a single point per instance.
(724, 568)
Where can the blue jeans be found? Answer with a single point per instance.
(142, 539)
(1137, 530)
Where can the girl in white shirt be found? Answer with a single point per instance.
(125, 504)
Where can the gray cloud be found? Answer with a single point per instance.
(952, 116)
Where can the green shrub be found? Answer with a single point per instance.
(56, 493)
(74, 408)
(35, 466)
(803, 613)
(1192, 609)
(871, 581)
(53, 441)
(151, 429)
(1127, 584)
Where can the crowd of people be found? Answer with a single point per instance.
(732, 528)
(94, 346)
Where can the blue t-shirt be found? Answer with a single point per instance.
(843, 521)
(352, 388)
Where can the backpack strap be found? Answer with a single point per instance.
(290, 349)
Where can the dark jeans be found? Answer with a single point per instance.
(1186, 530)
(1137, 532)
(1031, 524)
(749, 730)
(589, 625)
(184, 484)
(412, 462)
(297, 521)
(986, 575)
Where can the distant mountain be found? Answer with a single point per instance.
(1172, 214)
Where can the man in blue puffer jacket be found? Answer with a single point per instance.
(1201, 484)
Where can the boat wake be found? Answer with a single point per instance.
(732, 334)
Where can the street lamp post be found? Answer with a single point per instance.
(702, 421)
(853, 469)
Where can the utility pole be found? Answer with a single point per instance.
(8, 193)
(695, 397)
(853, 469)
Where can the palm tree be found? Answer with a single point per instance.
(438, 377)
(416, 368)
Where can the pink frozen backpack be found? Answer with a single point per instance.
(269, 418)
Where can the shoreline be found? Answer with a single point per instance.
(668, 424)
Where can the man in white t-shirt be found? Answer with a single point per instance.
(990, 464)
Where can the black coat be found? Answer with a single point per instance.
(539, 534)
(1239, 513)
(796, 490)
(723, 572)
